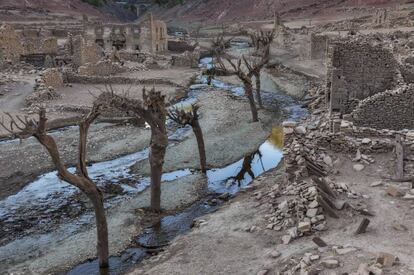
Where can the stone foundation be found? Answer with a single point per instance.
(102, 68)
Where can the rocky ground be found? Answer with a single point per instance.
(245, 243)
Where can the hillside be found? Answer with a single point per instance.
(210, 11)
(23, 10)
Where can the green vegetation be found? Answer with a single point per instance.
(169, 3)
(96, 3)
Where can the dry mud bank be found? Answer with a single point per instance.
(229, 135)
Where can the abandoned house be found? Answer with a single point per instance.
(148, 36)
(357, 70)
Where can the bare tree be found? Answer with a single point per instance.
(262, 41)
(220, 44)
(152, 110)
(253, 68)
(27, 127)
(192, 118)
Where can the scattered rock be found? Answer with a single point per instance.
(312, 212)
(376, 183)
(263, 272)
(366, 141)
(394, 191)
(330, 263)
(343, 251)
(275, 254)
(408, 197)
(286, 239)
(328, 160)
(301, 130)
(304, 227)
(359, 167)
(386, 259)
(319, 242)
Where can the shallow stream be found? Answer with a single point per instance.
(47, 193)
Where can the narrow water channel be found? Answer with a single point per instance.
(47, 193)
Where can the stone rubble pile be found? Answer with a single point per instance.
(309, 193)
(45, 88)
(332, 259)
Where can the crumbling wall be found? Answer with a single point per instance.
(318, 46)
(40, 45)
(357, 70)
(46, 86)
(83, 51)
(101, 68)
(388, 110)
(186, 59)
(380, 17)
(52, 78)
(10, 45)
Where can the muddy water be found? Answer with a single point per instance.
(220, 181)
(45, 196)
(226, 180)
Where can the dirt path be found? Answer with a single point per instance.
(14, 99)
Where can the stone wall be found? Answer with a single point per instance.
(40, 45)
(46, 86)
(101, 68)
(52, 78)
(186, 59)
(357, 70)
(318, 46)
(83, 51)
(388, 110)
(10, 45)
(180, 46)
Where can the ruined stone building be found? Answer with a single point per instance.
(33, 47)
(357, 70)
(318, 46)
(148, 36)
(11, 47)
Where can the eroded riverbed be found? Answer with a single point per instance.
(35, 206)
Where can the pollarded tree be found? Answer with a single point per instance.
(262, 41)
(245, 70)
(26, 127)
(152, 109)
(191, 118)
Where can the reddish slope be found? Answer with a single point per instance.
(231, 10)
(69, 7)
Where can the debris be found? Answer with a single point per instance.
(330, 263)
(394, 191)
(274, 254)
(359, 167)
(319, 242)
(363, 226)
(286, 239)
(376, 183)
(387, 259)
(408, 197)
(304, 227)
(345, 250)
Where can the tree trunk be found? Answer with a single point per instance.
(249, 93)
(201, 147)
(159, 142)
(258, 90)
(102, 246)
